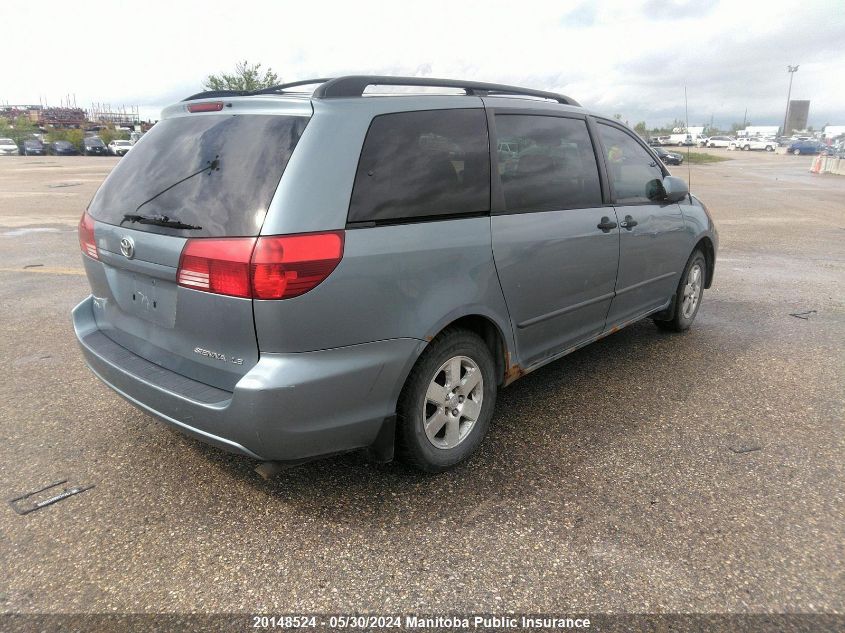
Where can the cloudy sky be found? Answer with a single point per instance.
(629, 57)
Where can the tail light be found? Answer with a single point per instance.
(220, 266)
(86, 236)
(291, 265)
(276, 267)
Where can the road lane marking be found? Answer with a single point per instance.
(45, 271)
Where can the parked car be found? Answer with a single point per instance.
(664, 140)
(702, 141)
(669, 158)
(8, 147)
(94, 146)
(119, 148)
(748, 144)
(287, 296)
(804, 147)
(33, 147)
(720, 141)
(654, 141)
(62, 148)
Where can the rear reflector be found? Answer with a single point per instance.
(276, 267)
(86, 236)
(209, 106)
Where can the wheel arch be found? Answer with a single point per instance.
(705, 245)
(494, 336)
(495, 332)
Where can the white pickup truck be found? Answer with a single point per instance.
(747, 144)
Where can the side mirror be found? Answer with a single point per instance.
(676, 189)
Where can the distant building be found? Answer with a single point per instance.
(832, 131)
(796, 116)
(759, 130)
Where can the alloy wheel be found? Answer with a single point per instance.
(453, 402)
(692, 291)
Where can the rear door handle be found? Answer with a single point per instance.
(628, 223)
(606, 225)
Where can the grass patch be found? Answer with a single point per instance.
(700, 158)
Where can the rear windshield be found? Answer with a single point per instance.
(217, 172)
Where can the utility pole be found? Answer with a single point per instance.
(791, 70)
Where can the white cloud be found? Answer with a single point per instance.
(628, 57)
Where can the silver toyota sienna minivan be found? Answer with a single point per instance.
(289, 274)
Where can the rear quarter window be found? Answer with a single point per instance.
(167, 173)
(419, 165)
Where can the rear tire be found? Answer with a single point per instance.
(447, 402)
(688, 296)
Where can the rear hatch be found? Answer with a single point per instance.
(193, 178)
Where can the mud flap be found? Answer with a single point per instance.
(383, 448)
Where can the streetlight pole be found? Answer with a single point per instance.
(791, 70)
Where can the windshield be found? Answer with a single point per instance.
(93, 141)
(122, 143)
(6, 141)
(63, 144)
(250, 153)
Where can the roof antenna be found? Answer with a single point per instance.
(689, 167)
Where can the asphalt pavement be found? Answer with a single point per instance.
(700, 472)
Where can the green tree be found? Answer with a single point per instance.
(72, 135)
(641, 129)
(246, 77)
(76, 137)
(24, 128)
(56, 134)
(109, 134)
(678, 124)
(21, 130)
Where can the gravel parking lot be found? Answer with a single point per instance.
(648, 472)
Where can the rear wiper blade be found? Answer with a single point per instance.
(210, 166)
(158, 220)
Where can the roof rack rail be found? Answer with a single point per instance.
(293, 84)
(355, 85)
(211, 94)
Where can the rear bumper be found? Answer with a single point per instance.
(288, 407)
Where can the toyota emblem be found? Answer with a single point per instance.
(127, 247)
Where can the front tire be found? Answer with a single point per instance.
(688, 296)
(796, 152)
(447, 402)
